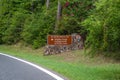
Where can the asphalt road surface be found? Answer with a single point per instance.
(13, 69)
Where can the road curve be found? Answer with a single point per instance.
(12, 68)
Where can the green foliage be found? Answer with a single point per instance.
(103, 26)
(29, 21)
(37, 30)
(74, 12)
(26, 20)
(38, 26)
(12, 19)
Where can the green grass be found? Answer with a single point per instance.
(75, 69)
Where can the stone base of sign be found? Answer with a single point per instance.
(77, 43)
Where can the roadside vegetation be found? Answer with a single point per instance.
(74, 65)
(31, 21)
(26, 23)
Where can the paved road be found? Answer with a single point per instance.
(13, 69)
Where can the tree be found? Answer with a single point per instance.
(104, 26)
(73, 13)
(13, 15)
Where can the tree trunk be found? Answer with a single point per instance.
(47, 3)
(59, 11)
(59, 14)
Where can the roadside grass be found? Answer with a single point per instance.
(73, 65)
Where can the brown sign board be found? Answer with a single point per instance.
(59, 39)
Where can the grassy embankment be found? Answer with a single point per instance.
(73, 65)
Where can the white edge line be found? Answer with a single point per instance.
(36, 66)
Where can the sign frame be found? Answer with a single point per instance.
(59, 39)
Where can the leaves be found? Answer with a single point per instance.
(103, 26)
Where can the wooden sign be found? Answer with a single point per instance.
(59, 40)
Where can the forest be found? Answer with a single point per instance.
(30, 21)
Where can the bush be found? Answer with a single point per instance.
(103, 26)
(73, 13)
